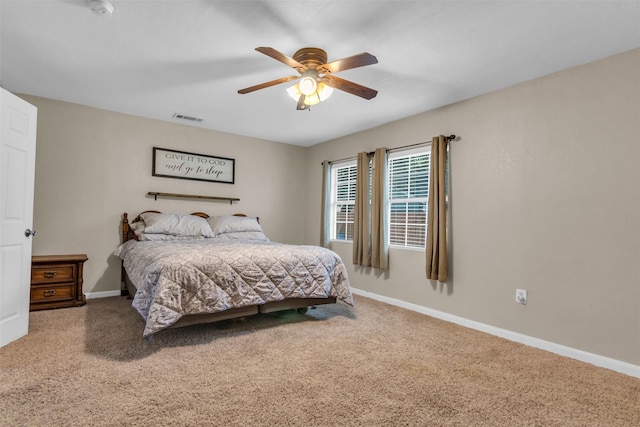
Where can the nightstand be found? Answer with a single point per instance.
(56, 281)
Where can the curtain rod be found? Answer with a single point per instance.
(449, 138)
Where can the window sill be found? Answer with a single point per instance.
(407, 248)
(392, 247)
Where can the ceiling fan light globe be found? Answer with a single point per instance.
(312, 99)
(324, 91)
(294, 92)
(308, 85)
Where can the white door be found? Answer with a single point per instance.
(17, 162)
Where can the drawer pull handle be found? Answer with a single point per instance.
(50, 274)
(49, 293)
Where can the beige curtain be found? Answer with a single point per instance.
(370, 247)
(379, 246)
(437, 266)
(325, 226)
(361, 236)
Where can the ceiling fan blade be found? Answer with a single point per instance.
(301, 104)
(350, 87)
(279, 56)
(355, 61)
(268, 84)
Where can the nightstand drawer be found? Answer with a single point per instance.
(53, 274)
(52, 293)
(56, 281)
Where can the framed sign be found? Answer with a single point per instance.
(180, 164)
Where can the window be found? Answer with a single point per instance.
(343, 186)
(408, 190)
(408, 197)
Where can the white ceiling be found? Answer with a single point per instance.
(157, 58)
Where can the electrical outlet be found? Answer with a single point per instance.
(521, 296)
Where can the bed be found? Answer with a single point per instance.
(185, 269)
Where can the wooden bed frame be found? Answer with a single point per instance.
(301, 304)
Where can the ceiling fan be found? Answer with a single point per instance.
(316, 75)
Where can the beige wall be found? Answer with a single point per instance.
(92, 165)
(545, 196)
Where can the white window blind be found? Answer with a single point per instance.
(408, 197)
(343, 185)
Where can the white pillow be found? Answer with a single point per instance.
(243, 235)
(175, 224)
(137, 227)
(233, 224)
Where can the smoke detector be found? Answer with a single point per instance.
(101, 7)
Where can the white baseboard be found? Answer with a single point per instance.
(583, 356)
(104, 294)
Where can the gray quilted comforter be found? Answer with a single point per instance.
(178, 278)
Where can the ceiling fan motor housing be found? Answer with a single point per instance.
(311, 57)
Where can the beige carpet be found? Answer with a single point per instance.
(374, 365)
